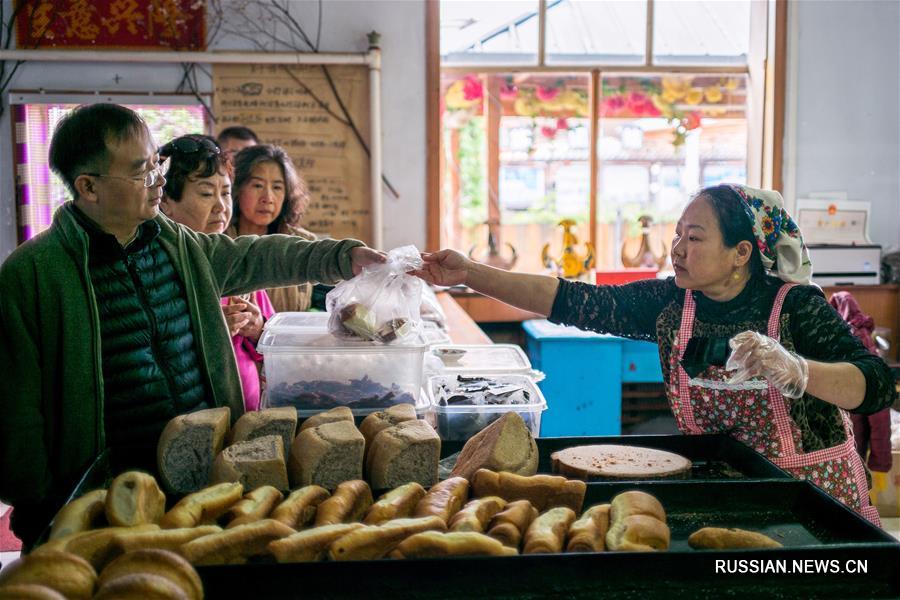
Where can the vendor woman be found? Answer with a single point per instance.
(747, 345)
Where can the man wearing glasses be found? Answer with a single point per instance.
(110, 321)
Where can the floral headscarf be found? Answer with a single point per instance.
(778, 238)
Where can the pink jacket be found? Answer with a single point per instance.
(247, 357)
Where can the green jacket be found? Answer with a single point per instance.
(51, 403)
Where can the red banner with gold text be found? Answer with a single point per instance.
(111, 24)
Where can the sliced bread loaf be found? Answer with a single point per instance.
(407, 452)
(253, 463)
(327, 455)
(187, 448)
(272, 421)
(504, 445)
(341, 413)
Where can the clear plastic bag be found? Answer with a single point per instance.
(383, 303)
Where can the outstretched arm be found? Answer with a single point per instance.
(527, 291)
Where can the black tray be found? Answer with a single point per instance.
(714, 457)
(817, 531)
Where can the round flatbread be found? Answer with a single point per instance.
(607, 461)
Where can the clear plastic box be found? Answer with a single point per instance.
(483, 358)
(433, 334)
(459, 422)
(311, 370)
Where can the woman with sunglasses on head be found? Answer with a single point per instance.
(197, 194)
(747, 346)
(271, 197)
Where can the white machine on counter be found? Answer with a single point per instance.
(836, 232)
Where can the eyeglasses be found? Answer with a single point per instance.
(190, 145)
(149, 179)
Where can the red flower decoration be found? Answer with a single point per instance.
(472, 89)
(612, 105)
(545, 94)
(509, 91)
(562, 124)
(692, 120)
(548, 132)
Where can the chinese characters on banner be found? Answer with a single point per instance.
(169, 24)
(327, 155)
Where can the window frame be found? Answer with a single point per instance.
(765, 69)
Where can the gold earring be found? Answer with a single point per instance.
(736, 275)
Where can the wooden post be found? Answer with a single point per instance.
(594, 100)
(493, 110)
(433, 204)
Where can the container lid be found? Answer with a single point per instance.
(439, 383)
(302, 320)
(483, 358)
(311, 340)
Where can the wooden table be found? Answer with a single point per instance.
(460, 326)
(485, 309)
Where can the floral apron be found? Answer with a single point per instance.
(755, 413)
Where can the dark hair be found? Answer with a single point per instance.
(734, 222)
(190, 155)
(296, 194)
(238, 132)
(81, 139)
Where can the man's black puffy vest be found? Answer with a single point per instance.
(151, 370)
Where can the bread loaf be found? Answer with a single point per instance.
(588, 533)
(433, 544)
(635, 502)
(97, 546)
(341, 413)
(254, 506)
(407, 452)
(204, 506)
(187, 448)
(310, 545)
(299, 509)
(163, 539)
(504, 445)
(156, 562)
(134, 498)
(235, 546)
(543, 491)
(253, 464)
(327, 455)
(29, 591)
(378, 421)
(70, 575)
(271, 421)
(140, 586)
(718, 538)
(637, 533)
(477, 514)
(444, 499)
(81, 514)
(547, 533)
(371, 543)
(350, 501)
(396, 504)
(509, 526)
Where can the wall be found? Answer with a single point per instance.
(401, 24)
(844, 97)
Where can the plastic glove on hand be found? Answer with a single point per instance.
(756, 355)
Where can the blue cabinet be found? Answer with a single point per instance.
(585, 372)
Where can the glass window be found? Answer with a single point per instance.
(701, 32)
(663, 137)
(489, 32)
(596, 31)
(39, 191)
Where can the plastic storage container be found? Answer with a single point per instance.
(507, 359)
(311, 370)
(299, 320)
(459, 422)
(433, 334)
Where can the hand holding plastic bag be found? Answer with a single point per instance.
(757, 355)
(382, 303)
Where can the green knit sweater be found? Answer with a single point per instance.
(51, 403)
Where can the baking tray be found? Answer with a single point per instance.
(811, 525)
(714, 457)
(819, 535)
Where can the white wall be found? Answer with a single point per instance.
(844, 95)
(401, 24)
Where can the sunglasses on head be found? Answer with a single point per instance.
(189, 145)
